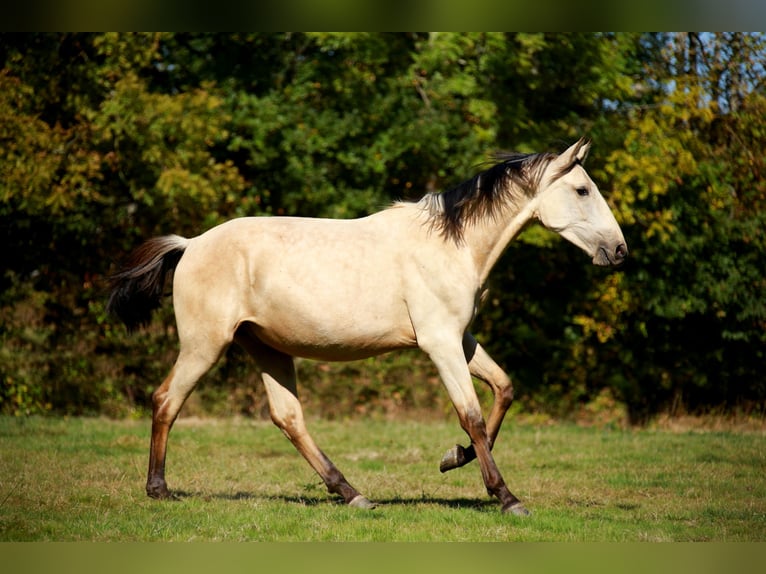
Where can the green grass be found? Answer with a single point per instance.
(83, 480)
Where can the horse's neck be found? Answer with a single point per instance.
(489, 237)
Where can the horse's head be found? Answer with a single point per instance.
(569, 203)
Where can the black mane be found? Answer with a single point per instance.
(514, 175)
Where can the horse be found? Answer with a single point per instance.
(410, 275)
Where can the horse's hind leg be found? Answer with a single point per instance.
(484, 368)
(167, 401)
(279, 378)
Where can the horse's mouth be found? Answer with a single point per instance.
(603, 257)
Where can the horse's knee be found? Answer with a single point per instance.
(474, 425)
(502, 388)
(505, 391)
(484, 368)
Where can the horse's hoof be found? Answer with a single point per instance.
(158, 491)
(517, 509)
(360, 501)
(453, 458)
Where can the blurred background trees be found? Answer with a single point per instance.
(108, 139)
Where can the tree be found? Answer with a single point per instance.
(111, 138)
(93, 161)
(686, 324)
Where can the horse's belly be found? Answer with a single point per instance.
(335, 339)
(308, 319)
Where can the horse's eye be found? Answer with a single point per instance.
(582, 191)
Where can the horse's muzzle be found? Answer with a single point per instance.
(604, 257)
(620, 253)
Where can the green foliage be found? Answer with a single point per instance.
(108, 139)
(688, 187)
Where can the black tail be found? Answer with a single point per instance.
(137, 288)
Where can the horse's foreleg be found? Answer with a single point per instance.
(484, 368)
(456, 376)
(279, 378)
(167, 401)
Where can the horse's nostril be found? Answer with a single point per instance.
(621, 252)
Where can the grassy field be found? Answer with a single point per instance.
(241, 480)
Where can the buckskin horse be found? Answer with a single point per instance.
(411, 275)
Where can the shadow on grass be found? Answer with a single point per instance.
(473, 503)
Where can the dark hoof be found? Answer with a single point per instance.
(360, 501)
(158, 491)
(453, 458)
(517, 509)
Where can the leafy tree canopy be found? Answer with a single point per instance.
(108, 139)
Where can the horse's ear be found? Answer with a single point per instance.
(582, 148)
(576, 153)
